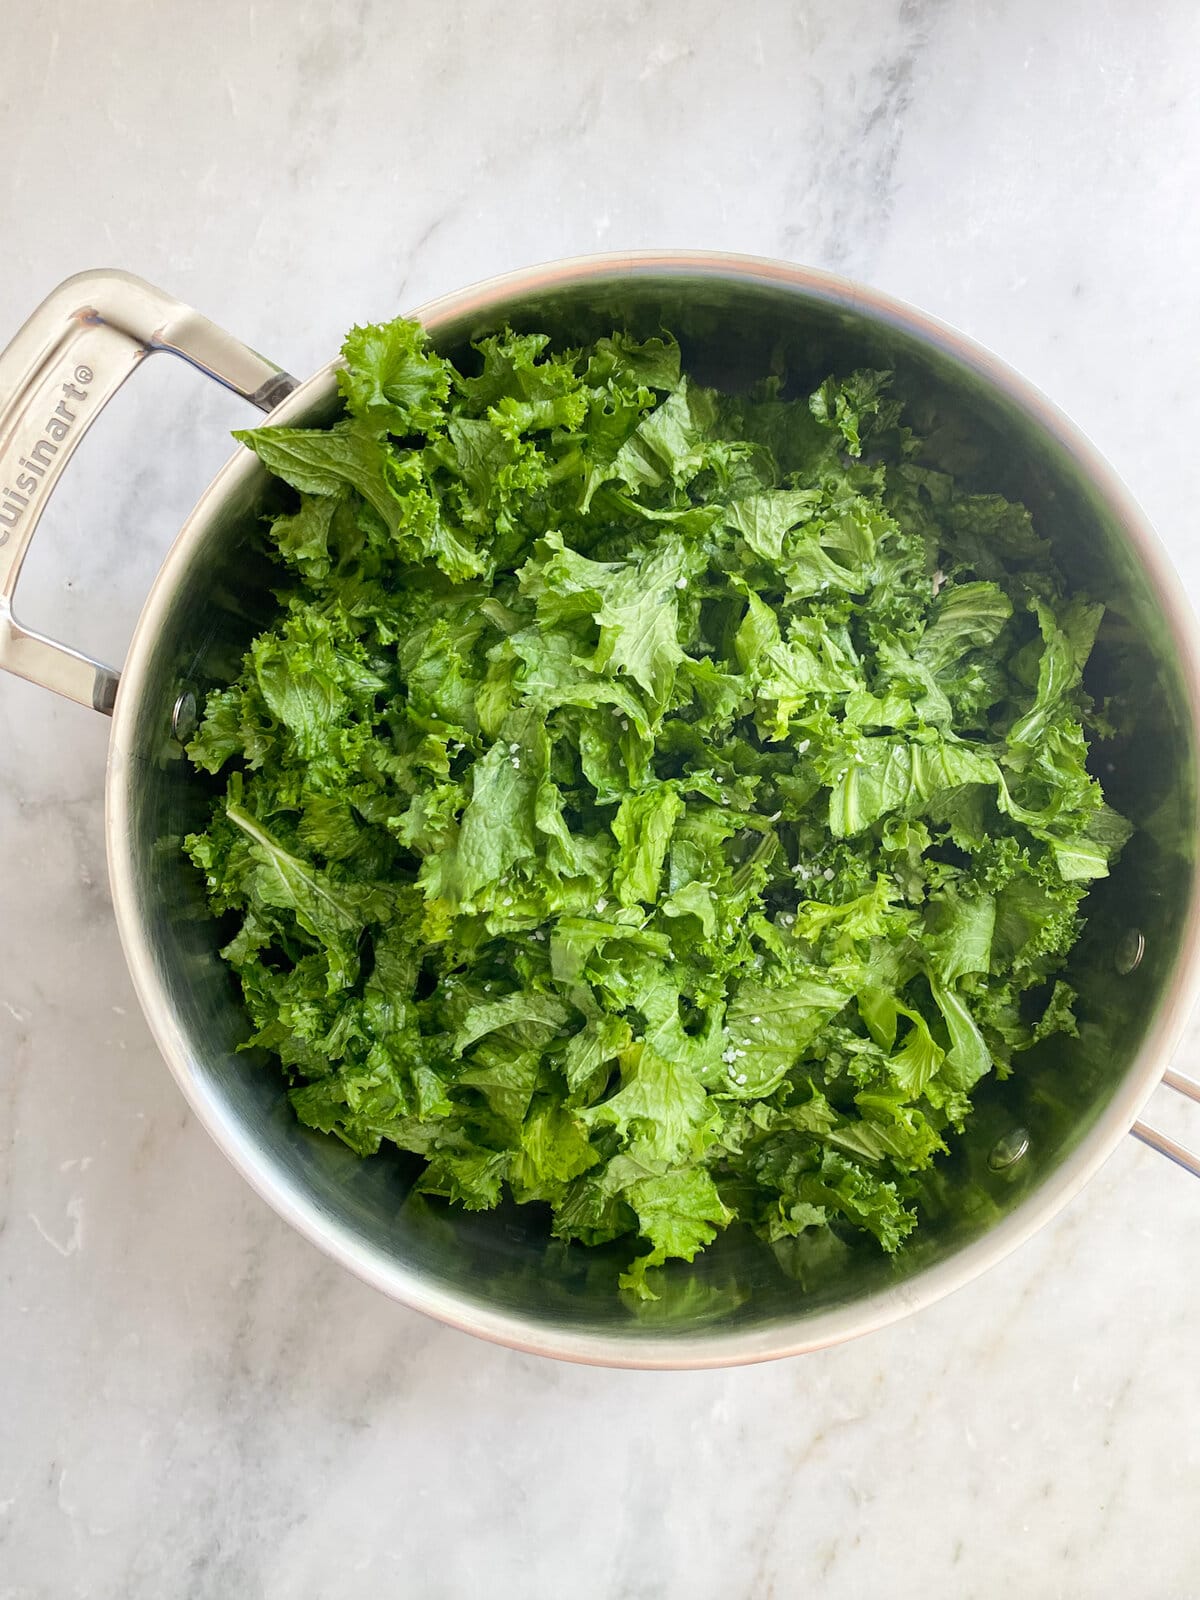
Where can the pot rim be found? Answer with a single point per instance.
(714, 1348)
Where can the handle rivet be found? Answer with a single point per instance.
(183, 717)
(1129, 952)
(1007, 1151)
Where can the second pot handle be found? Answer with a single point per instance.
(1189, 1160)
(56, 376)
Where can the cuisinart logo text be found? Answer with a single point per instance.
(39, 463)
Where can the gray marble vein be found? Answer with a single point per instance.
(195, 1403)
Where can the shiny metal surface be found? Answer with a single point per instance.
(498, 1274)
(56, 376)
(1189, 1160)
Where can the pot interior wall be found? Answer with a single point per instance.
(731, 332)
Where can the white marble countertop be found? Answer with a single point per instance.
(195, 1402)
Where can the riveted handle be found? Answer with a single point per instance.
(56, 376)
(1189, 1160)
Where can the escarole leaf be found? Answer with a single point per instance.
(967, 616)
(391, 380)
(324, 462)
(1067, 644)
(642, 828)
(887, 775)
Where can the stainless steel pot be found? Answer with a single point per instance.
(1034, 1141)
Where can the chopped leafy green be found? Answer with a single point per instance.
(660, 805)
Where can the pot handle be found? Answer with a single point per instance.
(1189, 1160)
(56, 376)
